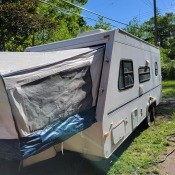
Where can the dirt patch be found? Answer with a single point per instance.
(165, 111)
(168, 166)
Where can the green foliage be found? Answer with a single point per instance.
(19, 20)
(139, 30)
(164, 55)
(168, 88)
(134, 28)
(166, 29)
(25, 23)
(101, 24)
(168, 70)
(70, 23)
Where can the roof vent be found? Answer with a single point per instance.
(92, 32)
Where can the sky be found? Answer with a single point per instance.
(126, 10)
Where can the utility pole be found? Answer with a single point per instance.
(155, 23)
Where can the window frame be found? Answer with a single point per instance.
(156, 69)
(144, 74)
(122, 61)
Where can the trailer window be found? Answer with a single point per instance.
(156, 68)
(144, 74)
(126, 75)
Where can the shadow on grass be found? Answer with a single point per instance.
(72, 163)
(167, 107)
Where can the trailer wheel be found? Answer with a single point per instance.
(147, 120)
(152, 113)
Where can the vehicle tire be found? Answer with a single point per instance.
(147, 120)
(152, 113)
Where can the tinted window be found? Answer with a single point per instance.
(126, 75)
(156, 68)
(144, 74)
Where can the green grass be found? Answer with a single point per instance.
(147, 148)
(168, 88)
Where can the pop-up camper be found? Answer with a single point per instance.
(86, 95)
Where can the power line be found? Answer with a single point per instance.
(141, 15)
(151, 4)
(92, 19)
(147, 3)
(96, 20)
(60, 9)
(167, 10)
(97, 14)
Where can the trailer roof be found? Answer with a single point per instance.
(93, 38)
(18, 61)
(135, 37)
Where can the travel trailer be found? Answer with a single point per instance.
(86, 94)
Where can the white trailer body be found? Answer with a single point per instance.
(120, 109)
(129, 88)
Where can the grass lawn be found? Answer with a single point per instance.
(168, 88)
(149, 146)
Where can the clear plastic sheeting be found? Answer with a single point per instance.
(54, 97)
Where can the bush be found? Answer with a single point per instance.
(164, 55)
(168, 71)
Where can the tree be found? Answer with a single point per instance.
(139, 30)
(101, 24)
(70, 21)
(166, 29)
(29, 22)
(19, 20)
(134, 28)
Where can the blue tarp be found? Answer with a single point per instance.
(47, 137)
(57, 132)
